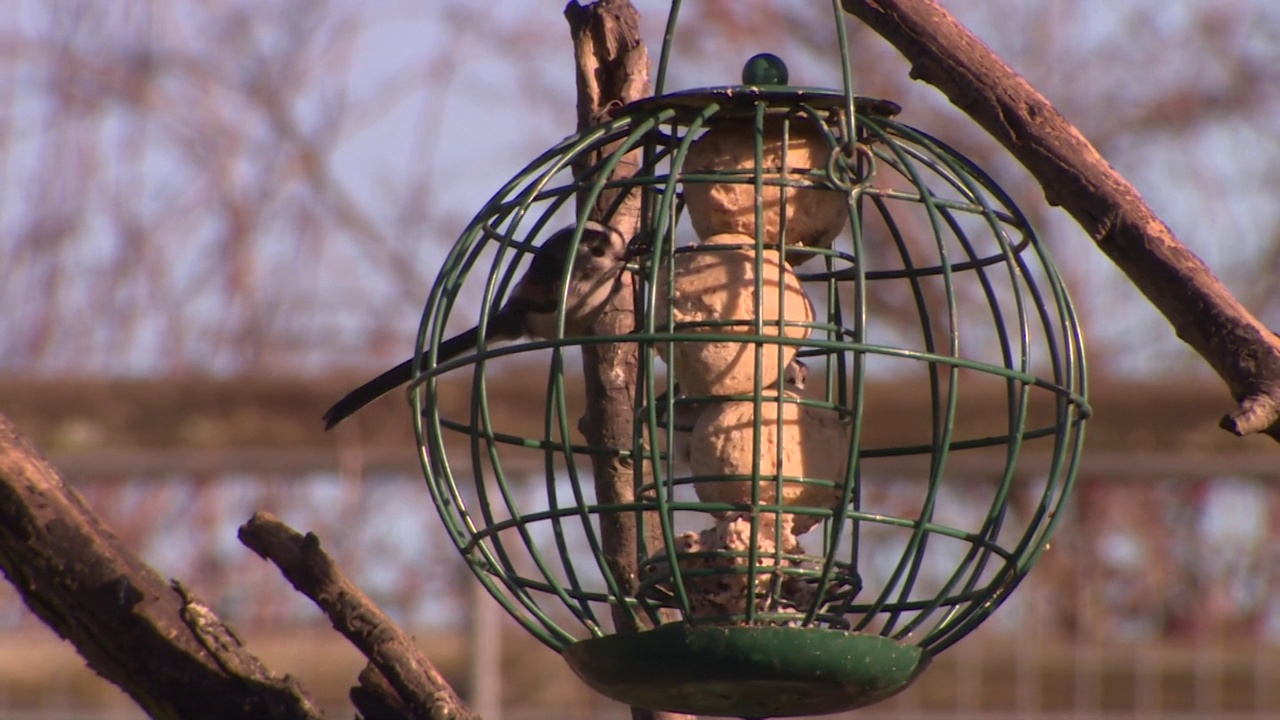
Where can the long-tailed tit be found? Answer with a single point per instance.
(530, 311)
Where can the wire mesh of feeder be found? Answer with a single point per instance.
(860, 395)
(966, 267)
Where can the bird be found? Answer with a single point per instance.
(530, 311)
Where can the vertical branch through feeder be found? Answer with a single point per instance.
(612, 70)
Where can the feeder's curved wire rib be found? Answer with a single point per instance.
(935, 297)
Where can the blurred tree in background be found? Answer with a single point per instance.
(253, 187)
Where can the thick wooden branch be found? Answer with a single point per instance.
(420, 691)
(152, 638)
(1076, 177)
(613, 70)
(376, 699)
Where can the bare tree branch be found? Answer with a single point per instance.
(418, 685)
(152, 638)
(613, 70)
(1076, 177)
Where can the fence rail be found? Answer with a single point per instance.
(1159, 597)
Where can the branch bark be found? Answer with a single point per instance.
(154, 639)
(401, 682)
(1076, 177)
(613, 70)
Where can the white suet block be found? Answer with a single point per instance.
(812, 444)
(813, 216)
(721, 286)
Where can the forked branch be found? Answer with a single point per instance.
(400, 681)
(151, 637)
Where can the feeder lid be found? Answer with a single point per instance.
(737, 100)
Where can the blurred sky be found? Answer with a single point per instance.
(424, 109)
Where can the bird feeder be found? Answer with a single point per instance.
(859, 403)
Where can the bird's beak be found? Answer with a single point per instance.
(641, 244)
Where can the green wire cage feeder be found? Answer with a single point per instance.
(859, 404)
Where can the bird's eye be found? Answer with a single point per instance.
(598, 251)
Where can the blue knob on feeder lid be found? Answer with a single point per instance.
(764, 69)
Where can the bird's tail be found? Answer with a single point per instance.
(394, 378)
(367, 393)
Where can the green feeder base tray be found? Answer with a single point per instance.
(746, 672)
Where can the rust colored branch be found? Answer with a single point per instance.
(152, 638)
(418, 686)
(1076, 177)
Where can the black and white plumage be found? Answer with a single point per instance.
(530, 311)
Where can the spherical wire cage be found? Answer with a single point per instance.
(859, 403)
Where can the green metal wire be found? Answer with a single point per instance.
(981, 298)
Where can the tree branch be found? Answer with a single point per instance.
(613, 70)
(418, 686)
(1076, 177)
(153, 639)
